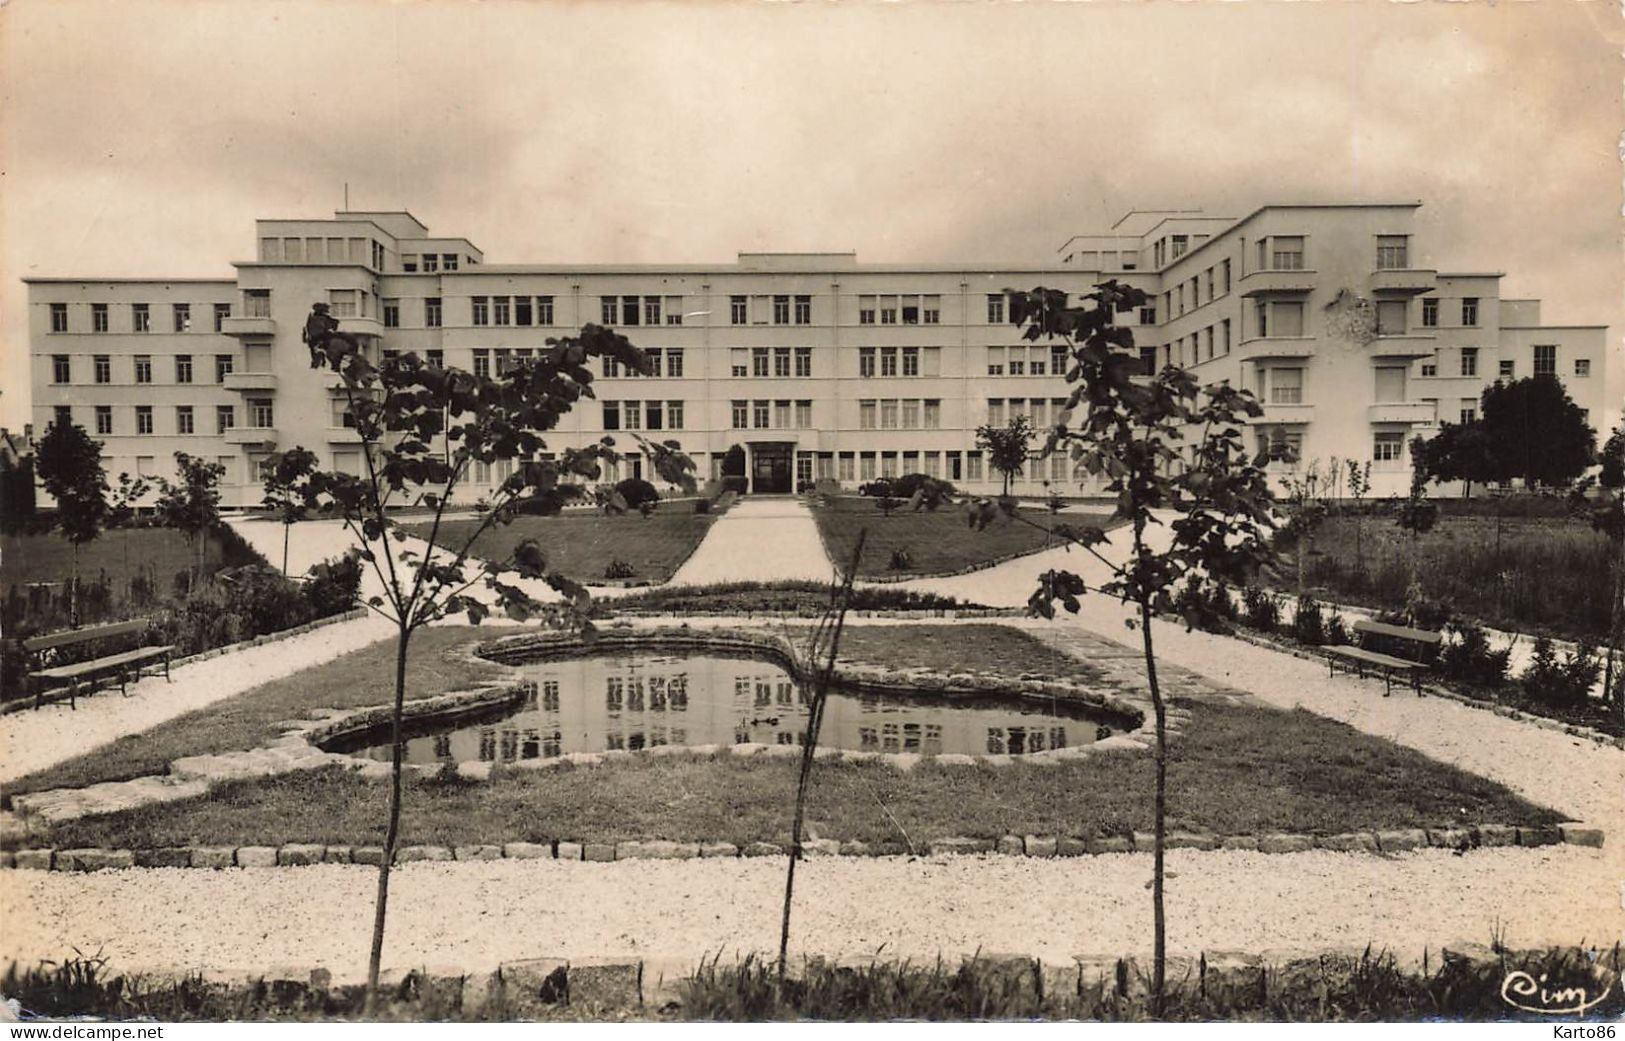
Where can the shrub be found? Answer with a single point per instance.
(1562, 684)
(736, 483)
(1206, 605)
(1468, 658)
(800, 598)
(619, 568)
(333, 585)
(1259, 609)
(900, 560)
(702, 505)
(879, 488)
(1425, 612)
(636, 492)
(1337, 634)
(1308, 622)
(905, 486)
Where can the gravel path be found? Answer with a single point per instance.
(475, 915)
(758, 540)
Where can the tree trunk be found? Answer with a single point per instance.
(397, 752)
(285, 529)
(1159, 925)
(73, 590)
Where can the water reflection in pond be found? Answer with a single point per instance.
(603, 703)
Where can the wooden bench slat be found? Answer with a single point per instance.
(1374, 658)
(68, 637)
(113, 661)
(1398, 632)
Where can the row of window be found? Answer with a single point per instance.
(899, 361)
(1214, 282)
(314, 249)
(432, 262)
(1040, 412)
(900, 414)
(260, 414)
(500, 310)
(140, 317)
(1430, 311)
(1286, 252)
(772, 415)
(1545, 357)
(866, 466)
(644, 415)
(141, 368)
(1026, 361)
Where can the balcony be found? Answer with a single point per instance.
(1259, 348)
(249, 381)
(1409, 281)
(252, 436)
(1284, 415)
(1415, 413)
(1402, 346)
(357, 326)
(260, 327)
(343, 436)
(1274, 282)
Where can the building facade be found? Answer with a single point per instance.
(816, 365)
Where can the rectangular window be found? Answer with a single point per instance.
(995, 361)
(803, 310)
(759, 414)
(674, 415)
(409, 261)
(781, 310)
(482, 363)
(61, 369)
(866, 362)
(183, 420)
(1545, 359)
(143, 419)
(182, 315)
(62, 415)
(781, 415)
(973, 466)
(260, 413)
(739, 361)
(741, 415)
(911, 414)
(888, 361)
(846, 467)
(651, 310)
(104, 419)
(1391, 317)
(343, 303)
(1469, 361)
(183, 368)
(911, 361)
(1287, 252)
(1430, 312)
(221, 313)
(257, 303)
(544, 310)
(225, 418)
(223, 365)
(501, 310)
(1582, 367)
(431, 262)
(1387, 447)
(98, 318)
(759, 361)
(738, 310)
(103, 366)
(392, 313)
(804, 415)
(1468, 411)
(866, 466)
(654, 415)
(480, 308)
(1286, 386)
(1018, 361)
(931, 310)
(59, 318)
(1507, 368)
(866, 415)
(995, 412)
(1469, 310)
(1224, 276)
(1390, 383)
(803, 362)
(888, 464)
(431, 312)
(140, 318)
(612, 415)
(448, 262)
(1393, 252)
(995, 309)
(781, 362)
(866, 310)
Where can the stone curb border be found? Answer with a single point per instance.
(1042, 846)
(944, 613)
(532, 987)
(19, 704)
(1258, 639)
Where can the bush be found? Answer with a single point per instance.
(1308, 622)
(636, 492)
(804, 598)
(1337, 634)
(702, 505)
(1206, 605)
(619, 568)
(900, 560)
(905, 486)
(1259, 609)
(736, 483)
(879, 488)
(333, 585)
(1561, 684)
(1468, 658)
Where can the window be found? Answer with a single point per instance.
(781, 414)
(1390, 383)
(260, 414)
(651, 310)
(1393, 252)
(140, 318)
(612, 415)
(1018, 361)
(866, 466)
(781, 310)
(257, 357)
(931, 310)
(61, 369)
(1431, 368)
(223, 365)
(674, 414)
(1582, 367)
(1288, 319)
(59, 318)
(758, 361)
(502, 357)
(803, 362)
(933, 413)
(482, 363)
(1507, 368)
(866, 415)
(995, 412)
(888, 361)
(674, 362)
(501, 310)
(995, 309)
(183, 420)
(739, 361)
(738, 311)
(221, 313)
(866, 310)
(1469, 361)
(911, 361)
(448, 261)
(257, 303)
(1287, 252)
(1545, 359)
(392, 313)
(431, 312)
(103, 366)
(1388, 447)
(1468, 411)
(1148, 316)
(1390, 318)
(1430, 312)
(409, 261)
(629, 310)
(436, 358)
(62, 415)
(866, 361)
(104, 419)
(225, 417)
(98, 318)
(1469, 310)
(1286, 386)
(803, 310)
(781, 361)
(911, 414)
(846, 467)
(481, 306)
(544, 310)
(183, 368)
(431, 262)
(973, 466)
(143, 419)
(804, 414)
(759, 411)
(740, 415)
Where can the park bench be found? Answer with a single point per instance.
(1418, 647)
(47, 678)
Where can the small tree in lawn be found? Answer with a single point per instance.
(1535, 431)
(191, 503)
(1359, 478)
(1006, 447)
(1164, 445)
(423, 428)
(286, 475)
(1416, 517)
(69, 464)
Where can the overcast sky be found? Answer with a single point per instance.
(144, 138)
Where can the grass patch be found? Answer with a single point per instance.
(935, 542)
(583, 545)
(1548, 575)
(360, 678)
(804, 599)
(957, 648)
(1237, 769)
(120, 555)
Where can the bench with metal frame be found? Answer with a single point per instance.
(47, 680)
(1421, 645)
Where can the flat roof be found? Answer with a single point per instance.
(63, 278)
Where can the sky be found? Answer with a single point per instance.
(144, 137)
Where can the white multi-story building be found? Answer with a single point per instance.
(816, 365)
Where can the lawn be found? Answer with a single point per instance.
(935, 541)
(156, 554)
(583, 545)
(1523, 574)
(987, 647)
(1237, 769)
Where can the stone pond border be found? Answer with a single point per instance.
(1385, 841)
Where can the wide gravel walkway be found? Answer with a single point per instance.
(759, 540)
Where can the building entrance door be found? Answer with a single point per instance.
(770, 468)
